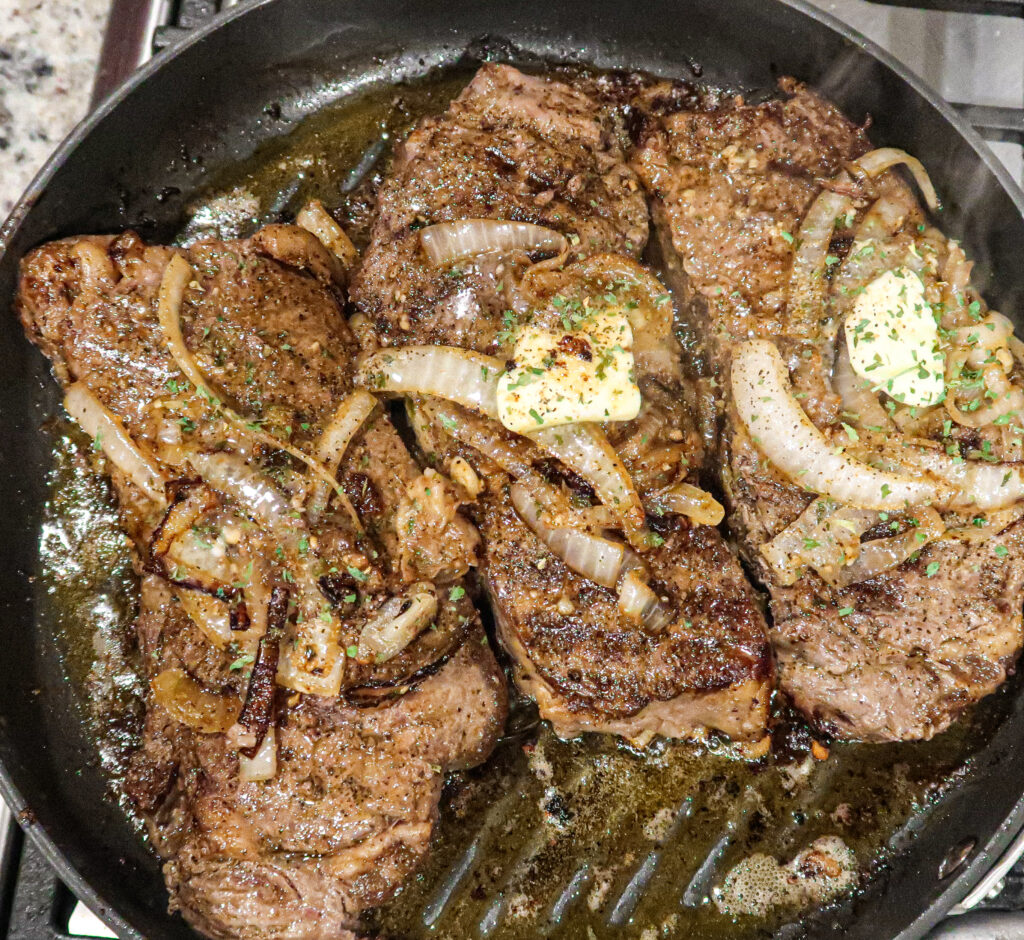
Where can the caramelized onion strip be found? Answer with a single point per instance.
(692, 501)
(876, 162)
(447, 243)
(186, 701)
(597, 559)
(785, 435)
(176, 278)
(106, 430)
(398, 622)
(881, 555)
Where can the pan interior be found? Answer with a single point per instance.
(567, 839)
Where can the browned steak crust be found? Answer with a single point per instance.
(529, 149)
(898, 656)
(349, 813)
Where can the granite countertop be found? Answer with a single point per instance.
(48, 55)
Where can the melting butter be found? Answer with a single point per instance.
(893, 339)
(564, 377)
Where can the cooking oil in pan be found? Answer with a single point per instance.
(579, 839)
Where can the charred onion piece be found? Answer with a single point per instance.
(106, 430)
(183, 557)
(449, 242)
(258, 710)
(191, 503)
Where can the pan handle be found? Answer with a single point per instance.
(994, 123)
(991, 7)
(981, 925)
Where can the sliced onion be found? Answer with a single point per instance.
(990, 525)
(807, 284)
(190, 561)
(253, 491)
(786, 436)
(880, 555)
(95, 266)
(467, 378)
(1002, 396)
(449, 242)
(860, 403)
(585, 450)
(211, 614)
(865, 260)
(973, 484)
(639, 603)
(825, 536)
(100, 424)
(878, 161)
(264, 765)
(348, 418)
(470, 379)
(314, 218)
(188, 702)
(692, 501)
(511, 454)
(398, 622)
(190, 505)
(461, 471)
(992, 332)
(311, 659)
(598, 559)
(310, 664)
(176, 278)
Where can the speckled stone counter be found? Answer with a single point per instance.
(48, 54)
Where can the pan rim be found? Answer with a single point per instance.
(984, 856)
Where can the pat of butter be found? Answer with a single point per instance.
(567, 377)
(893, 339)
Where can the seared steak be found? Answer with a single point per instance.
(901, 654)
(285, 817)
(526, 149)
(345, 820)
